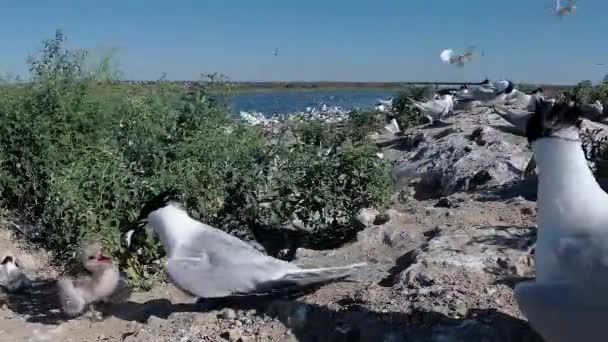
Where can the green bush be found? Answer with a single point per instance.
(589, 92)
(363, 123)
(406, 115)
(526, 88)
(325, 187)
(81, 163)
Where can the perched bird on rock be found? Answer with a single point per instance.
(487, 93)
(437, 108)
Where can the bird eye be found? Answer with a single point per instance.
(91, 257)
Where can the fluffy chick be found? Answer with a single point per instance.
(12, 278)
(104, 283)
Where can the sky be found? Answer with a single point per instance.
(329, 40)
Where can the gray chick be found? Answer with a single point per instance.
(12, 277)
(104, 283)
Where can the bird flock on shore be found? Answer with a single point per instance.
(567, 301)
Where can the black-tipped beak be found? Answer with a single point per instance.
(129, 234)
(6, 260)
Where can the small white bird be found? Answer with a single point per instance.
(522, 99)
(206, 262)
(104, 284)
(562, 11)
(12, 277)
(487, 93)
(593, 111)
(519, 119)
(437, 108)
(568, 300)
(449, 56)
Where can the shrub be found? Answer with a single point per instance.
(589, 92)
(363, 123)
(526, 88)
(81, 163)
(406, 115)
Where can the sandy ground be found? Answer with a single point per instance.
(165, 314)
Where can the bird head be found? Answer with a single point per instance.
(159, 201)
(552, 119)
(94, 258)
(538, 90)
(9, 261)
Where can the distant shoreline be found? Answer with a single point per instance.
(331, 85)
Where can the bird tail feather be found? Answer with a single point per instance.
(318, 275)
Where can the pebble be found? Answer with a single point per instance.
(228, 314)
(153, 320)
(232, 335)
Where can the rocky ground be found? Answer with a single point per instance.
(442, 268)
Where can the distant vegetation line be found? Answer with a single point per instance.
(331, 85)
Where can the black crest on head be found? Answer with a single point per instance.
(159, 201)
(509, 88)
(6, 260)
(549, 117)
(537, 90)
(445, 91)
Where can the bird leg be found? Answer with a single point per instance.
(93, 314)
(530, 168)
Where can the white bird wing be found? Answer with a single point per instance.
(483, 93)
(217, 264)
(517, 119)
(446, 55)
(432, 106)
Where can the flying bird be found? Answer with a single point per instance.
(275, 52)
(567, 301)
(206, 262)
(563, 10)
(449, 56)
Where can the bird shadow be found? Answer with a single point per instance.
(438, 124)
(525, 188)
(312, 322)
(509, 130)
(38, 303)
(519, 240)
(401, 264)
(308, 322)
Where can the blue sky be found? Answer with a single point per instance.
(341, 40)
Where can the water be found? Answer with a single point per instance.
(283, 102)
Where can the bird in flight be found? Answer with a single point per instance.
(275, 52)
(449, 56)
(563, 10)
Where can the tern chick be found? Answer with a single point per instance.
(12, 277)
(104, 283)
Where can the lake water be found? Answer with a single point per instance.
(283, 102)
